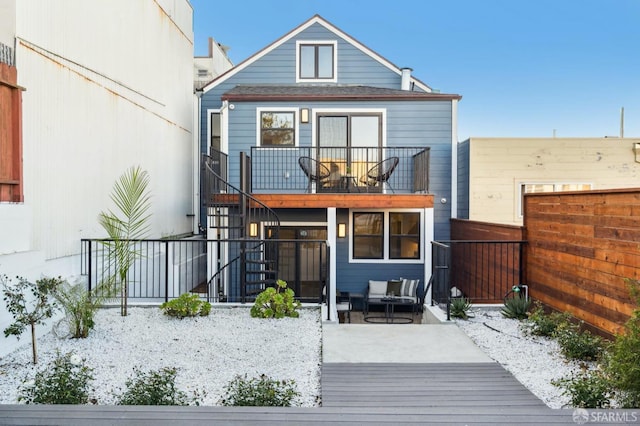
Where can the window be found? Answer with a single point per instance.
(368, 237)
(277, 128)
(386, 235)
(532, 188)
(216, 132)
(404, 239)
(316, 60)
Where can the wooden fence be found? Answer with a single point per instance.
(582, 246)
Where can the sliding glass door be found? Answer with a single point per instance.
(348, 145)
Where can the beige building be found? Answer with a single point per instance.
(495, 173)
(206, 68)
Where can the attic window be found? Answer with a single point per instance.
(316, 61)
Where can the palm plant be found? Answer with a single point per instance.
(81, 304)
(132, 200)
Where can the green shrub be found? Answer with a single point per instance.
(262, 391)
(153, 388)
(579, 345)
(187, 305)
(460, 307)
(541, 324)
(516, 307)
(64, 381)
(586, 389)
(276, 302)
(623, 362)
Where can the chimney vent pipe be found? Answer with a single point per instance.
(406, 79)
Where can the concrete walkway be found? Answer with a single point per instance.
(395, 343)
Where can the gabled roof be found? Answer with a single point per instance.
(325, 92)
(316, 19)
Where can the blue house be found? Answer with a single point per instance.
(324, 164)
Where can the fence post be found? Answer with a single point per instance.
(89, 269)
(166, 271)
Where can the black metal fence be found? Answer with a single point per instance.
(162, 269)
(482, 271)
(339, 169)
(165, 269)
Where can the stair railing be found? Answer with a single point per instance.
(234, 214)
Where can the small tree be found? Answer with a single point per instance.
(29, 311)
(132, 200)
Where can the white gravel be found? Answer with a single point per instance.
(534, 361)
(207, 351)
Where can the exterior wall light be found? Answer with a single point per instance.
(304, 115)
(253, 229)
(342, 230)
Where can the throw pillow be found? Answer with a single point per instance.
(394, 288)
(409, 288)
(377, 288)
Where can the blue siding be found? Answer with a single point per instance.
(408, 124)
(354, 277)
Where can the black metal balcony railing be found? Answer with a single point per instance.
(277, 170)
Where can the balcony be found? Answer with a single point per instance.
(397, 170)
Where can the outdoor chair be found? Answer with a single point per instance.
(343, 304)
(380, 173)
(315, 171)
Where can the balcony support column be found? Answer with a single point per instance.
(332, 232)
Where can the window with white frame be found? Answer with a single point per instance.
(316, 61)
(277, 128)
(532, 188)
(386, 235)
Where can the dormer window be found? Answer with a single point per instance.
(316, 61)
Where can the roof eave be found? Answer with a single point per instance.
(341, 97)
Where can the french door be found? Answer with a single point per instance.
(302, 260)
(348, 144)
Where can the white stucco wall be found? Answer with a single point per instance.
(498, 166)
(109, 85)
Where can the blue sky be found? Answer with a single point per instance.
(524, 67)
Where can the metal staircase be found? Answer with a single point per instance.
(242, 261)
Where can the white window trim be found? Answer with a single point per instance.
(556, 184)
(335, 62)
(386, 235)
(296, 125)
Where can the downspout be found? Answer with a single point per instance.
(195, 163)
(454, 159)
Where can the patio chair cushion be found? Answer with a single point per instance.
(409, 287)
(394, 287)
(377, 289)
